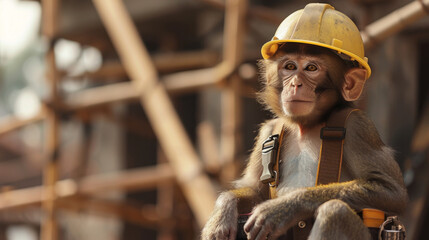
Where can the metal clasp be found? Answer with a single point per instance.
(392, 229)
(274, 182)
(269, 155)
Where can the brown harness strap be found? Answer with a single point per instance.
(330, 160)
(331, 149)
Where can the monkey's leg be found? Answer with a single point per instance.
(336, 220)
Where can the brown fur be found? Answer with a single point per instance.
(370, 176)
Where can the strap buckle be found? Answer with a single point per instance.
(269, 155)
(274, 182)
(332, 133)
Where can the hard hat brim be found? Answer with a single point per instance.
(267, 51)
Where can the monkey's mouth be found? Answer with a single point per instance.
(298, 101)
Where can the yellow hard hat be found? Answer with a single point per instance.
(321, 25)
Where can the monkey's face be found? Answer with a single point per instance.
(307, 88)
(299, 76)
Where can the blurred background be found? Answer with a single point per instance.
(125, 119)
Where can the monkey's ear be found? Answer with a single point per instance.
(354, 81)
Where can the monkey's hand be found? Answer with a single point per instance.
(222, 225)
(273, 218)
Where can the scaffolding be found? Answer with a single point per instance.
(183, 165)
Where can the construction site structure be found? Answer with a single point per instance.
(144, 145)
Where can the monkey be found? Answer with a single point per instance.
(304, 83)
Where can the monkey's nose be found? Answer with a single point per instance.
(296, 82)
(296, 85)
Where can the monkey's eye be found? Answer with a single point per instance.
(311, 68)
(290, 66)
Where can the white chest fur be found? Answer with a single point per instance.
(299, 161)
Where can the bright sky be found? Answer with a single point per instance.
(19, 25)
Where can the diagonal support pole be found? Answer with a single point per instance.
(172, 136)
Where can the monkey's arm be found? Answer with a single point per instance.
(378, 180)
(247, 192)
(248, 189)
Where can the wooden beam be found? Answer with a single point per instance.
(49, 18)
(49, 228)
(258, 12)
(146, 216)
(231, 134)
(11, 123)
(180, 61)
(165, 204)
(192, 80)
(130, 180)
(154, 99)
(165, 62)
(234, 31)
(107, 94)
(235, 25)
(50, 172)
(134, 179)
(394, 22)
(182, 82)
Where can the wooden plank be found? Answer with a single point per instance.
(165, 62)
(259, 12)
(234, 31)
(144, 216)
(182, 82)
(107, 94)
(231, 134)
(192, 80)
(135, 179)
(12, 123)
(49, 18)
(235, 25)
(165, 205)
(180, 61)
(394, 22)
(170, 132)
(130, 180)
(49, 228)
(125, 91)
